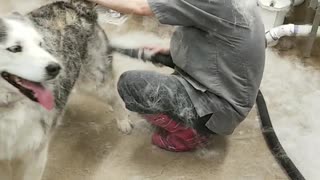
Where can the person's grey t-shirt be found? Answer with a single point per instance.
(219, 50)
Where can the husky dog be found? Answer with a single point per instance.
(33, 95)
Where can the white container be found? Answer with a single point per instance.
(273, 12)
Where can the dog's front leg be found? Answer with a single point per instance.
(34, 164)
(120, 112)
(122, 117)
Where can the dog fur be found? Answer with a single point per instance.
(72, 37)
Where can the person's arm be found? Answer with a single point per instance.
(138, 7)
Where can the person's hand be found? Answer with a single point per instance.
(158, 50)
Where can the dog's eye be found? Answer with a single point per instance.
(15, 49)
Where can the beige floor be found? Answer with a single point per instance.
(88, 146)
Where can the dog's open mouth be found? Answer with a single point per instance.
(33, 90)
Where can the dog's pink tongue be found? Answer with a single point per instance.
(44, 96)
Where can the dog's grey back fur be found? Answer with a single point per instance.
(72, 35)
(3, 31)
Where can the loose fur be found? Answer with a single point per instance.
(72, 36)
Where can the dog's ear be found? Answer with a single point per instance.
(19, 17)
(3, 31)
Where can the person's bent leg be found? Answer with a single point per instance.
(164, 102)
(148, 92)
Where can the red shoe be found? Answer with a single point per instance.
(165, 122)
(181, 141)
(176, 136)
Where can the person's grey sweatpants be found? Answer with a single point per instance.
(147, 92)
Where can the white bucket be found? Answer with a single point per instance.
(273, 12)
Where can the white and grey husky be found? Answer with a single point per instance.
(43, 55)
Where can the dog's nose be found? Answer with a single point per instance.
(53, 69)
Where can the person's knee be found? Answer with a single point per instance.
(130, 85)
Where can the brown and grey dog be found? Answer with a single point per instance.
(60, 38)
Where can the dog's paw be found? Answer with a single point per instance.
(125, 126)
